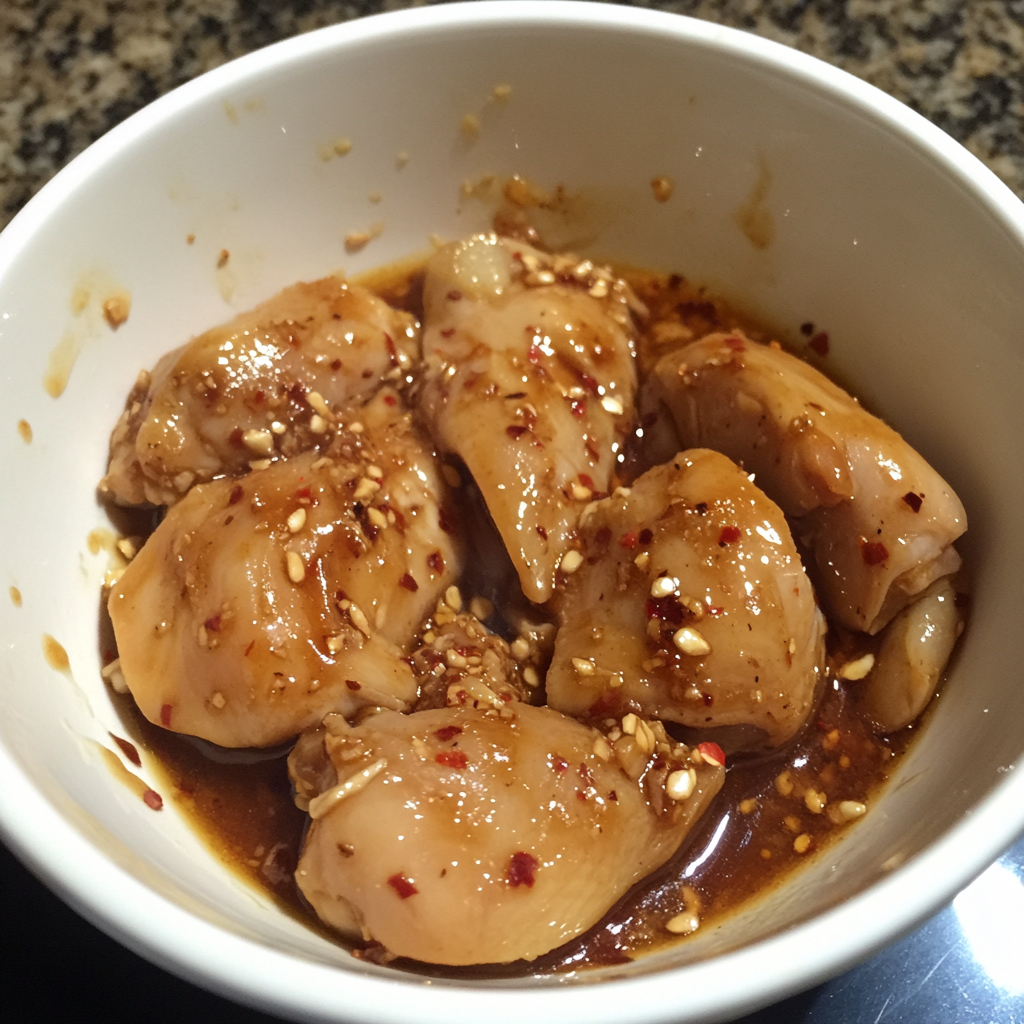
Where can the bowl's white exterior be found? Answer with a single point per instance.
(888, 234)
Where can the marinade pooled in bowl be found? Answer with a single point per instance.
(490, 534)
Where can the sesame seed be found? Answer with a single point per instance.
(581, 493)
(629, 724)
(802, 843)
(127, 548)
(366, 488)
(599, 289)
(683, 924)
(622, 492)
(356, 240)
(663, 586)
(748, 806)
(502, 92)
(690, 642)
(662, 188)
(681, 784)
(453, 598)
(317, 404)
(295, 566)
(571, 561)
(583, 666)
(217, 700)
(358, 619)
(481, 608)
(784, 783)
(601, 748)
(297, 520)
(259, 441)
(375, 472)
(277, 427)
(642, 560)
(335, 644)
(455, 659)
(520, 648)
(644, 736)
(377, 518)
(257, 464)
(612, 405)
(815, 801)
(317, 424)
(470, 125)
(530, 677)
(356, 428)
(857, 669)
(850, 809)
(693, 606)
(615, 680)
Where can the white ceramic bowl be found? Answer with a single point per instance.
(887, 233)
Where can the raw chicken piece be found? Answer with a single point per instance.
(915, 648)
(688, 602)
(530, 379)
(248, 390)
(879, 520)
(464, 836)
(260, 604)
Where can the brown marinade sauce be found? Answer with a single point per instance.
(240, 802)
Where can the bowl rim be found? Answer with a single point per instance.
(723, 986)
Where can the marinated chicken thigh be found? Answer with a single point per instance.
(466, 836)
(687, 601)
(879, 520)
(260, 604)
(530, 379)
(267, 383)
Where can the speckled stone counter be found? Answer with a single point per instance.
(72, 69)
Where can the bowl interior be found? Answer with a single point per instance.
(884, 234)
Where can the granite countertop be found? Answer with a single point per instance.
(71, 70)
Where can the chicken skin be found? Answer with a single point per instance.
(530, 379)
(467, 835)
(687, 601)
(263, 385)
(879, 520)
(260, 604)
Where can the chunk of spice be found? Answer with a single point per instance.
(712, 753)
(913, 500)
(521, 869)
(447, 732)
(729, 535)
(873, 552)
(402, 886)
(452, 759)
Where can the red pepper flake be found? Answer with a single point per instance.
(352, 684)
(335, 365)
(588, 382)
(729, 535)
(248, 650)
(578, 407)
(646, 536)
(128, 749)
(236, 495)
(534, 354)
(559, 763)
(629, 540)
(452, 759)
(823, 725)
(165, 715)
(712, 753)
(521, 869)
(542, 532)
(709, 699)
(736, 344)
(447, 732)
(436, 562)
(447, 332)
(444, 519)
(153, 799)
(580, 795)
(588, 481)
(390, 400)
(874, 552)
(913, 500)
(213, 624)
(819, 343)
(305, 496)
(235, 438)
(392, 351)
(402, 886)
(515, 431)
(454, 295)
(409, 583)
